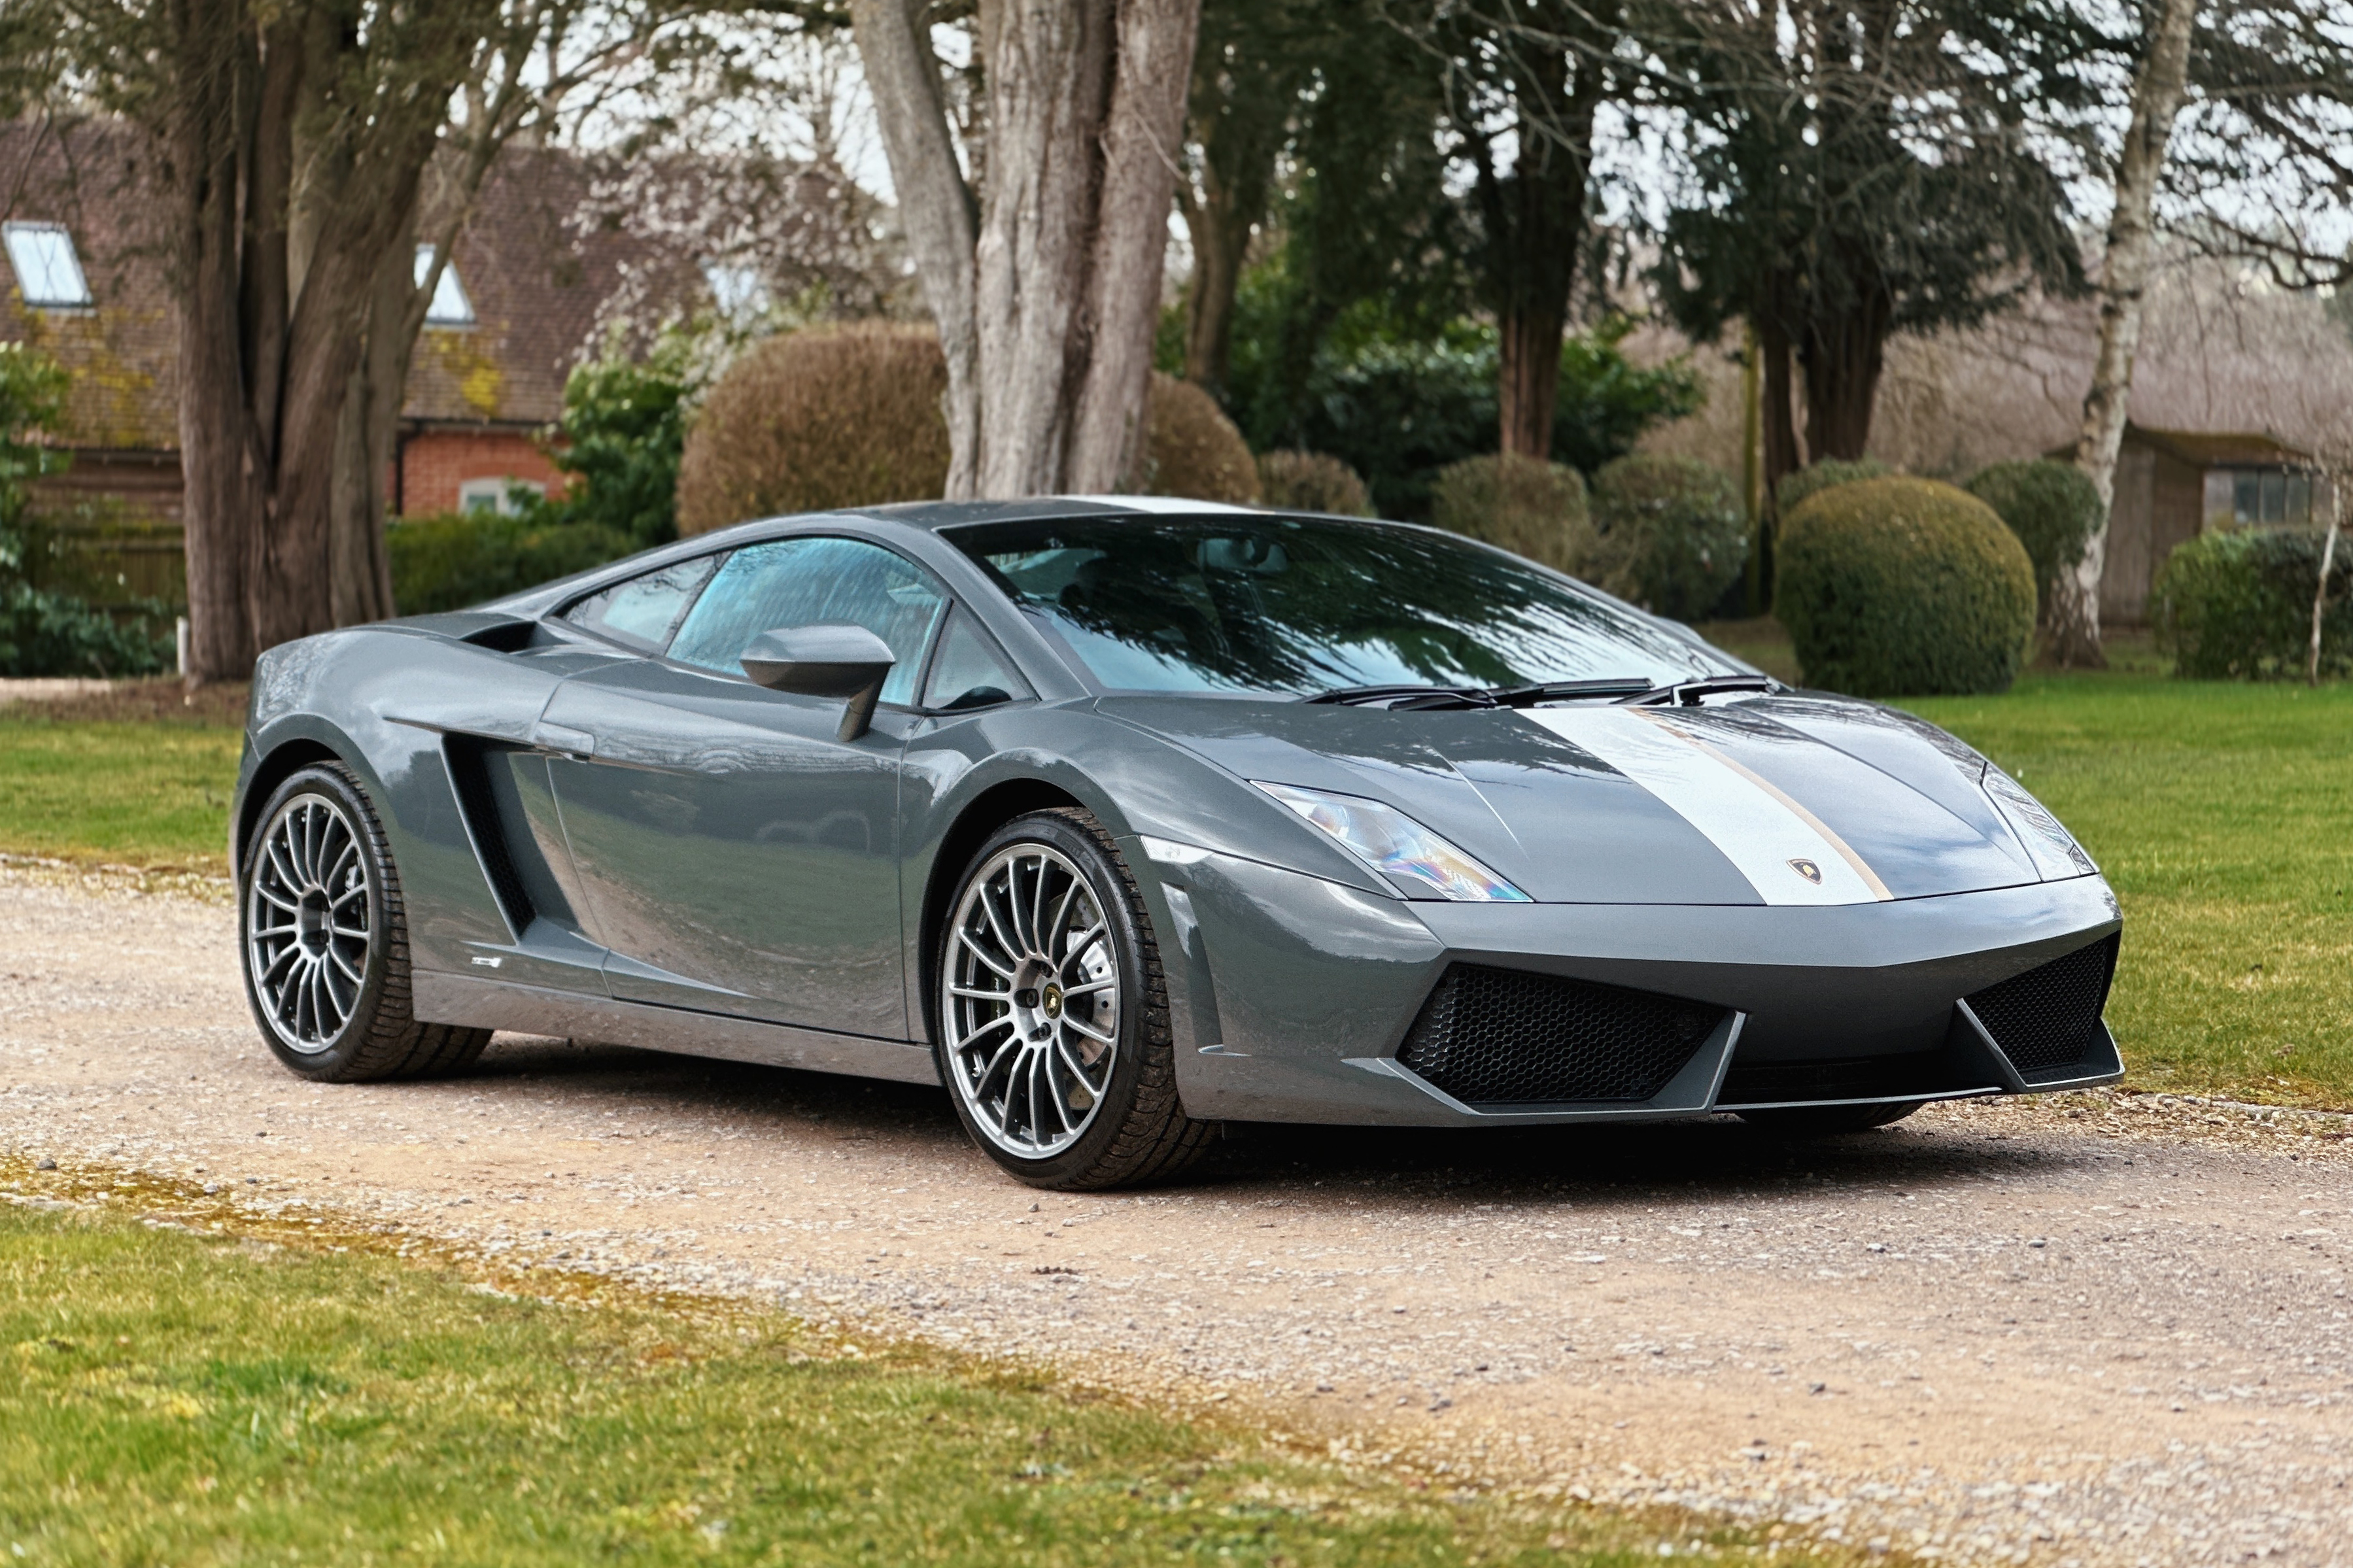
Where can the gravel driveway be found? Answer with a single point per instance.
(2107, 1329)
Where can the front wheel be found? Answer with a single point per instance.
(1053, 1013)
(1823, 1121)
(325, 940)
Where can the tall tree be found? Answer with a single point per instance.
(2157, 89)
(296, 142)
(1044, 271)
(1856, 169)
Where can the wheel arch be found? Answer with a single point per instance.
(986, 812)
(281, 762)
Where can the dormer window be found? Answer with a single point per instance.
(450, 308)
(49, 273)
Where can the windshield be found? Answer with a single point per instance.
(1302, 606)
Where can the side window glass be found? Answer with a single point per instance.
(805, 582)
(969, 671)
(644, 611)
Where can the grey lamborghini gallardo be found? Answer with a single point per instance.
(1122, 819)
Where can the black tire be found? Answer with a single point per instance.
(1824, 1121)
(1137, 1130)
(337, 1030)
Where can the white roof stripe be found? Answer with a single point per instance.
(1764, 833)
(1165, 506)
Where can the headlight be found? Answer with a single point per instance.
(1396, 845)
(2056, 854)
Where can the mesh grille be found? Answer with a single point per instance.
(2047, 1019)
(1499, 1037)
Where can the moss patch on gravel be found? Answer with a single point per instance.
(172, 1396)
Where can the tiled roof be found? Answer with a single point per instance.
(535, 285)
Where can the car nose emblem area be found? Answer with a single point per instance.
(1809, 870)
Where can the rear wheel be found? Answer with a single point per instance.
(1053, 1014)
(325, 941)
(1822, 1120)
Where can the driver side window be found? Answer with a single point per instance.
(803, 582)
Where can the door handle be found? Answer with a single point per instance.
(577, 744)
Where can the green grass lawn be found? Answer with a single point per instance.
(2223, 813)
(169, 1397)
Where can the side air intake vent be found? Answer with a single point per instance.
(2047, 1020)
(1501, 1037)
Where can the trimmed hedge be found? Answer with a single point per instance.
(824, 417)
(1827, 474)
(448, 561)
(1671, 533)
(1292, 480)
(2237, 606)
(1521, 504)
(1904, 587)
(1195, 451)
(2054, 508)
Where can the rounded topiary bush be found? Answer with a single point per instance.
(2054, 509)
(1195, 451)
(1672, 535)
(1827, 474)
(828, 416)
(1312, 481)
(2237, 604)
(1524, 505)
(1904, 587)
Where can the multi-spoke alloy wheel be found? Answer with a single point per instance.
(1032, 1002)
(326, 938)
(1053, 1013)
(308, 931)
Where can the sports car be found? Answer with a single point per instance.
(1123, 819)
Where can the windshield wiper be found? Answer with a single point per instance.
(1397, 697)
(1569, 690)
(1687, 693)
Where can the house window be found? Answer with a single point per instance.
(740, 292)
(450, 308)
(49, 273)
(503, 495)
(2270, 496)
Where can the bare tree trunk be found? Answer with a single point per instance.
(1779, 439)
(359, 567)
(2075, 619)
(1142, 136)
(1085, 111)
(220, 463)
(1842, 358)
(1220, 238)
(934, 203)
(2327, 564)
(1752, 462)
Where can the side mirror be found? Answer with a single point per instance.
(832, 659)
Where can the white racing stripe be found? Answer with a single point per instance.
(1767, 836)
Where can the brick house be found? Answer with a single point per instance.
(81, 277)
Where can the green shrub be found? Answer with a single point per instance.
(623, 428)
(2237, 606)
(2054, 509)
(1529, 507)
(1292, 480)
(42, 633)
(824, 417)
(1816, 478)
(1670, 534)
(448, 561)
(1196, 452)
(1904, 587)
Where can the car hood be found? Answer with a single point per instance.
(1792, 798)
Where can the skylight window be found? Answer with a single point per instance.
(49, 273)
(450, 308)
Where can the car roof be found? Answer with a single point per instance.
(939, 514)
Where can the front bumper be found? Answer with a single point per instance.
(1292, 997)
